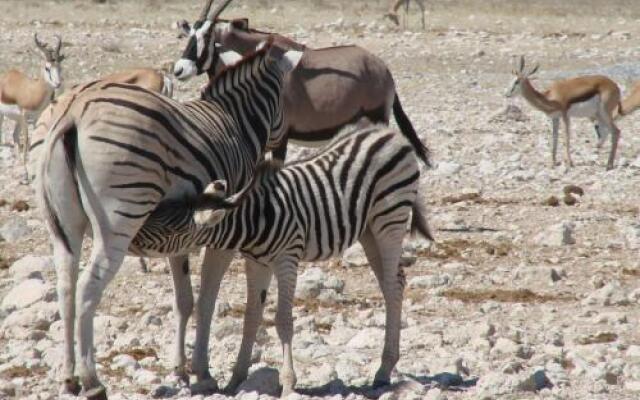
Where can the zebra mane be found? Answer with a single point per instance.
(218, 79)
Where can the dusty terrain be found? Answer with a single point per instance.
(517, 299)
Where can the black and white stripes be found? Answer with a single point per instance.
(361, 187)
(118, 150)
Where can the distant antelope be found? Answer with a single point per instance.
(331, 88)
(23, 98)
(394, 5)
(595, 97)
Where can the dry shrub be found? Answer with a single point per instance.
(457, 198)
(3, 202)
(631, 272)
(552, 201)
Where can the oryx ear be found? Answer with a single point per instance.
(230, 57)
(183, 27)
(240, 23)
(290, 60)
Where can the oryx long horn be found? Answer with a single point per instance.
(218, 10)
(206, 9)
(39, 44)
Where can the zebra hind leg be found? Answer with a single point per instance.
(383, 250)
(286, 275)
(67, 263)
(258, 280)
(107, 255)
(183, 306)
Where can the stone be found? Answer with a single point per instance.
(367, 338)
(561, 234)
(504, 347)
(145, 377)
(30, 267)
(15, 229)
(354, 256)
(264, 381)
(27, 293)
(447, 168)
(124, 361)
(38, 316)
(534, 382)
(631, 233)
(430, 281)
(611, 294)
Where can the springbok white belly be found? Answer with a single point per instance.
(585, 109)
(10, 111)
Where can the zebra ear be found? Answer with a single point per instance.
(230, 57)
(290, 60)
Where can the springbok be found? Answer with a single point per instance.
(394, 6)
(595, 97)
(23, 98)
(331, 87)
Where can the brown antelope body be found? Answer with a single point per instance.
(23, 98)
(595, 97)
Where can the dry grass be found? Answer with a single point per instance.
(20, 205)
(602, 337)
(459, 249)
(23, 372)
(501, 295)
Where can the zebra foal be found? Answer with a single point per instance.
(361, 187)
(117, 151)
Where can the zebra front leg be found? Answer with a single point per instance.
(258, 280)
(214, 266)
(286, 275)
(389, 247)
(182, 307)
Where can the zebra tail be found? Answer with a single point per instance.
(61, 129)
(419, 223)
(407, 130)
(212, 201)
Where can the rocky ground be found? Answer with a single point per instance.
(522, 296)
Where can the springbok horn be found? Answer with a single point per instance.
(534, 70)
(39, 44)
(218, 10)
(521, 63)
(206, 9)
(58, 44)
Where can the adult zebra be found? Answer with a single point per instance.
(118, 151)
(361, 187)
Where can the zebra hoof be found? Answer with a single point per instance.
(380, 383)
(205, 387)
(71, 386)
(233, 384)
(96, 393)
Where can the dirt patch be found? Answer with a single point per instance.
(457, 198)
(501, 295)
(631, 272)
(138, 353)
